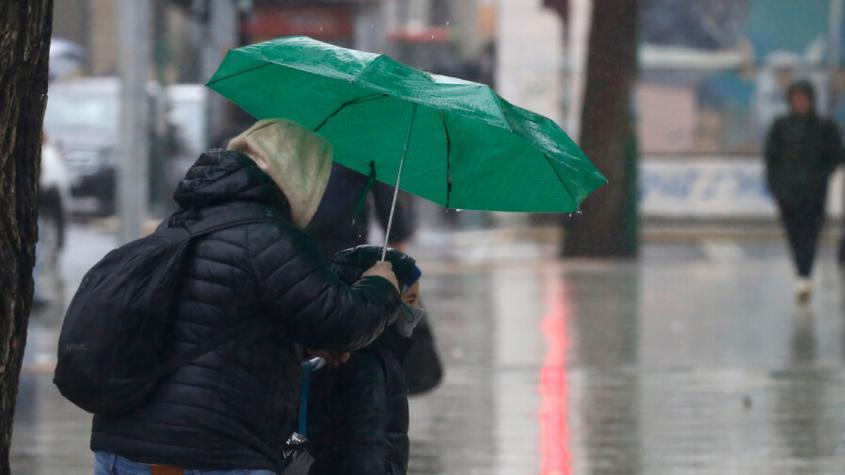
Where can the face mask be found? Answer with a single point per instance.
(408, 319)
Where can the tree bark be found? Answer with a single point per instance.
(25, 27)
(604, 228)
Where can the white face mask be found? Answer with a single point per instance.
(408, 319)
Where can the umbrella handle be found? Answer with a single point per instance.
(398, 179)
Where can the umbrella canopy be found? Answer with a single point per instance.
(462, 145)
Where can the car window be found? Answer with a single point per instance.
(188, 116)
(82, 110)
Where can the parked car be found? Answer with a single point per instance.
(83, 117)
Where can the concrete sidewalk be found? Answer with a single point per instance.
(692, 360)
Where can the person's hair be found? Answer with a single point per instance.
(802, 87)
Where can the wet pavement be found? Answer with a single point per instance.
(694, 360)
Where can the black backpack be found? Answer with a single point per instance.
(113, 343)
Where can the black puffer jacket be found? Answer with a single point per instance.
(801, 154)
(358, 416)
(234, 407)
(358, 423)
(802, 151)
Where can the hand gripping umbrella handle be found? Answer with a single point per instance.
(398, 180)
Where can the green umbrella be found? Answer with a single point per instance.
(454, 142)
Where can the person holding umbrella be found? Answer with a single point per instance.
(230, 410)
(802, 151)
(453, 142)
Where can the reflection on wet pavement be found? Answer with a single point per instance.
(694, 360)
(684, 363)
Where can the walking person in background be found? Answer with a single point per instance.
(802, 151)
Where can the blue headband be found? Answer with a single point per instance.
(413, 276)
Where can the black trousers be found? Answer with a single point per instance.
(803, 222)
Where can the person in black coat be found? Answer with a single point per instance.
(358, 416)
(802, 151)
(336, 227)
(342, 220)
(234, 407)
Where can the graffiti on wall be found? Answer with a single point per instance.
(711, 187)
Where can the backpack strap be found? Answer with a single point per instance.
(208, 220)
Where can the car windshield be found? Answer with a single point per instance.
(81, 110)
(188, 116)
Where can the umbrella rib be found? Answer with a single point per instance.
(213, 81)
(448, 160)
(359, 100)
(398, 180)
(561, 180)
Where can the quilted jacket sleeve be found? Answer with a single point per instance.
(314, 307)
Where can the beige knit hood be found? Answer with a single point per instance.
(295, 158)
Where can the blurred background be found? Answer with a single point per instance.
(669, 343)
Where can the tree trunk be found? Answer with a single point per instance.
(604, 229)
(25, 27)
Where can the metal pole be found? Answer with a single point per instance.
(133, 168)
(835, 33)
(578, 31)
(398, 179)
(834, 47)
(221, 33)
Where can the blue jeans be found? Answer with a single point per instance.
(110, 464)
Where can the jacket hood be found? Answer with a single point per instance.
(296, 159)
(350, 264)
(802, 87)
(221, 176)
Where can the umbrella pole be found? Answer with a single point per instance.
(398, 179)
